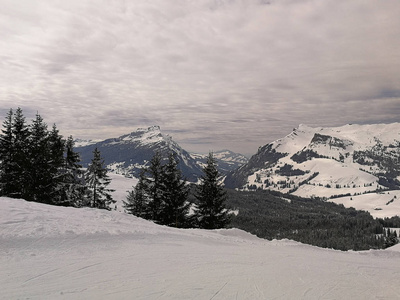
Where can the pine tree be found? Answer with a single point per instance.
(137, 200)
(97, 181)
(20, 159)
(175, 206)
(211, 212)
(32, 160)
(6, 156)
(153, 184)
(390, 239)
(56, 147)
(41, 174)
(71, 185)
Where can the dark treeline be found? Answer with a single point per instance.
(161, 195)
(272, 215)
(38, 164)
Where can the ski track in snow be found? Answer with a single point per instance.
(52, 252)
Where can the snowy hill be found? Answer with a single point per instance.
(379, 205)
(227, 160)
(50, 252)
(326, 162)
(128, 153)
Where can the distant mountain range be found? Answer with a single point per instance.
(325, 162)
(227, 160)
(129, 153)
(321, 162)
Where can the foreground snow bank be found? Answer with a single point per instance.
(52, 252)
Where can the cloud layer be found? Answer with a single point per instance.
(213, 73)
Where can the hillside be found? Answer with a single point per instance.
(325, 162)
(379, 205)
(51, 252)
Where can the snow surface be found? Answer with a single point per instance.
(121, 186)
(82, 143)
(50, 252)
(379, 205)
(151, 135)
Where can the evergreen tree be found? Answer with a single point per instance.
(32, 160)
(97, 181)
(41, 173)
(72, 186)
(154, 188)
(56, 147)
(20, 158)
(211, 212)
(175, 206)
(6, 156)
(137, 200)
(390, 239)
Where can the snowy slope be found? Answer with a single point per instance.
(50, 252)
(326, 162)
(121, 185)
(379, 205)
(83, 143)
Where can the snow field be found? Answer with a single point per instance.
(50, 252)
(379, 205)
(121, 185)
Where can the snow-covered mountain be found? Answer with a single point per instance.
(82, 143)
(53, 252)
(128, 153)
(227, 160)
(326, 162)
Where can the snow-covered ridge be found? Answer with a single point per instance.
(82, 143)
(144, 136)
(326, 162)
(361, 136)
(128, 153)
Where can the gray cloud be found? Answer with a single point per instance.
(214, 74)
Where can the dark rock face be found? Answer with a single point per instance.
(265, 157)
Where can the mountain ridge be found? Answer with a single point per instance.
(325, 162)
(129, 153)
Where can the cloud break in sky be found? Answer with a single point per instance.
(214, 74)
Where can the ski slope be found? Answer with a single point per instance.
(50, 252)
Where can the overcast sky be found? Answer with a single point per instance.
(214, 74)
